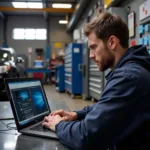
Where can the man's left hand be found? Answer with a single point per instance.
(51, 121)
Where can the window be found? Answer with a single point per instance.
(40, 34)
(29, 34)
(18, 34)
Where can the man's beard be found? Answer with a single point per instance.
(110, 60)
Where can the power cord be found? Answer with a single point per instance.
(9, 127)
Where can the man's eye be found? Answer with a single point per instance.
(93, 47)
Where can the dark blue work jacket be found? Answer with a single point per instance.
(121, 118)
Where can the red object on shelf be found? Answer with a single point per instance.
(38, 75)
(133, 42)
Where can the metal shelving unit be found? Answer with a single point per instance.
(96, 81)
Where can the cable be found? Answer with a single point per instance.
(8, 126)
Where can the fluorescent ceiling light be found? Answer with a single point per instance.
(19, 4)
(63, 21)
(34, 5)
(27, 5)
(61, 5)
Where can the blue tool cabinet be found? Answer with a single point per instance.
(59, 78)
(73, 74)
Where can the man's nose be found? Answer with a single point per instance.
(92, 55)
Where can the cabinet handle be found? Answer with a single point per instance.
(79, 67)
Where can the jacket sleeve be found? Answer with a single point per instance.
(107, 122)
(82, 113)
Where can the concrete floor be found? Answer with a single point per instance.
(73, 104)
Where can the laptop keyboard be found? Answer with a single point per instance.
(40, 128)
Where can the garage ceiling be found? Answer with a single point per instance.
(7, 9)
(73, 14)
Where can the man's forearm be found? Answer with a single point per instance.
(83, 112)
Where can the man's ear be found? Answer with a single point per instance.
(112, 42)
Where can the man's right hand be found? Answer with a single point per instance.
(67, 116)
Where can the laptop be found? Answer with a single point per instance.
(29, 105)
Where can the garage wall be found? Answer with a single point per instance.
(83, 18)
(134, 5)
(21, 46)
(1, 31)
(57, 33)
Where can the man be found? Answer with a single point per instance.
(120, 120)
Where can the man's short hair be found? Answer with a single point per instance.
(108, 24)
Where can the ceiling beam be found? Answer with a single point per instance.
(53, 10)
(2, 15)
(48, 1)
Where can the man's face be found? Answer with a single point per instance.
(100, 52)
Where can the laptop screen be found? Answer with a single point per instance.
(29, 100)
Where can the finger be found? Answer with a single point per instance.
(59, 112)
(54, 112)
(51, 113)
(46, 119)
(45, 124)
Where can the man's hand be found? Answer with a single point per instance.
(51, 121)
(67, 116)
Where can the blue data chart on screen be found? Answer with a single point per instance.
(23, 95)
